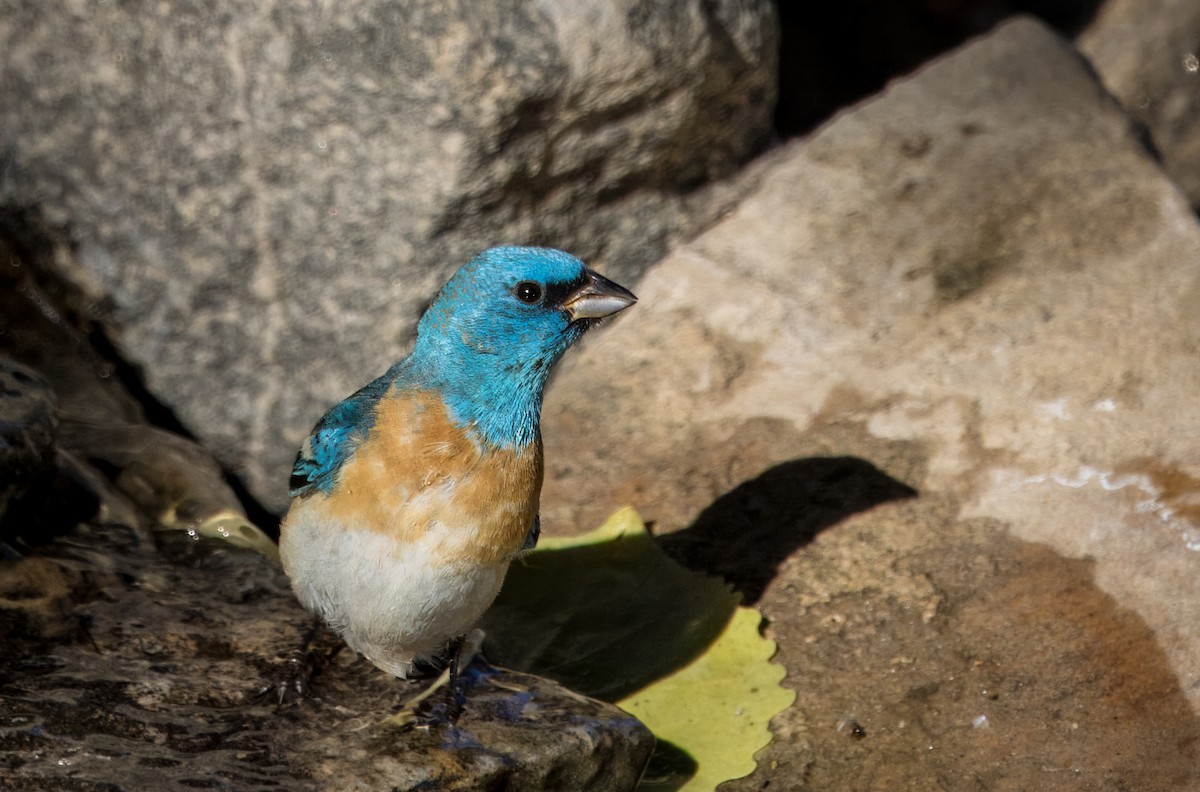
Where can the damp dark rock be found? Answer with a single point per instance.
(27, 429)
(139, 669)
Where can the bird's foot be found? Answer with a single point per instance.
(290, 681)
(425, 710)
(416, 711)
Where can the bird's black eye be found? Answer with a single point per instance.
(528, 292)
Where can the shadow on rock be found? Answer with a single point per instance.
(608, 616)
(747, 533)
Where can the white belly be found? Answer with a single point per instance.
(393, 607)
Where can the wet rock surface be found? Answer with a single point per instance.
(927, 398)
(159, 686)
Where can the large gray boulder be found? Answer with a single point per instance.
(981, 285)
(259, 200)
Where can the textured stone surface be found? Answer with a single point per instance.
(836, 54)
(980, 285)
(102, 458)
(128, 667)
(260, 198)
(1148, 54)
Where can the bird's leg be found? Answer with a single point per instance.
(462, 652)
(409, 714)
(423, 710)
(455, 697)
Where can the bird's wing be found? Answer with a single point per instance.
(334, 439)
(531, 538)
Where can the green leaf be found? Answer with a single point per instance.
(718, 708)
(610, 615)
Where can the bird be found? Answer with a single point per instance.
(411, 497)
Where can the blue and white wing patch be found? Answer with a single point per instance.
(334, 439)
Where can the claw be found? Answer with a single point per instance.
(291, 682)
(424, 711)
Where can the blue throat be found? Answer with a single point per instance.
(500, 400)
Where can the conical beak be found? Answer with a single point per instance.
(597, 298)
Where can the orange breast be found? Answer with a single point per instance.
(418, 473)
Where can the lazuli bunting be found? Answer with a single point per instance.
(412, 496)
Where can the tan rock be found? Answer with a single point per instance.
(978, 284)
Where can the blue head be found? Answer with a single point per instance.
(497, 328)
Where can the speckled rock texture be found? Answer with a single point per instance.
(127, 664)
(1148, 54)
(260, 199)
(927, 398)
